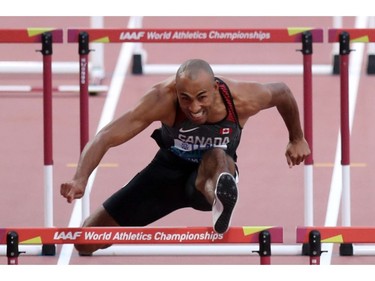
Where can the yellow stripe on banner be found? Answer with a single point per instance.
(248, 230)
(296, 30)
(334, 239)
(102, 40)
(35, 240)
(361, 39)
(37, 31)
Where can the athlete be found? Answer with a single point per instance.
(201, 119)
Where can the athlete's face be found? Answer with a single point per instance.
(196, 96)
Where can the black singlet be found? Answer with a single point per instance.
(189, 141)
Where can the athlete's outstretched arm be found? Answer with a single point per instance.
(152, 107)
(254, 97)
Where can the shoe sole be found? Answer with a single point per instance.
(226, 198)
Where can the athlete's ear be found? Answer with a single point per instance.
(216, 85)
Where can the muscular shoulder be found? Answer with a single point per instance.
(249, 97)
(241, 88)
(162, 99)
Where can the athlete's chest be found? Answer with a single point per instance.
(191, 133)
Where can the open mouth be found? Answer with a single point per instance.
(197, 116)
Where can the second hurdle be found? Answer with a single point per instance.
(158, 236)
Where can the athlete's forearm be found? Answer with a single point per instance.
(288, 109)
(90, 158)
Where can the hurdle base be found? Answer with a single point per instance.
(371, 64)
(305, 249)
(48, 250)
(336, 65)
(137, 64)
(346, 249)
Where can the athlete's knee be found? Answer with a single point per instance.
(216, 161)
(89, 249)
(99, 218)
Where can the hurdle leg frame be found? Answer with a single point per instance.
(83, 51)
(12, 248)
(307, 51)
(137, 68)
(344, 41)
(315, 247)
(48, 249)
(264, 247)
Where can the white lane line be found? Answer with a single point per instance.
(355, 65)
(113, 95)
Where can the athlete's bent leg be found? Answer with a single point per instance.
(226, 195)
(214, 162)
(216, 181)
(99, 218)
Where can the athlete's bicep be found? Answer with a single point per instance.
(148, 109)
(263, 96)
(252, 98)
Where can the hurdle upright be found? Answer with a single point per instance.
(45, 36)
(344, 37)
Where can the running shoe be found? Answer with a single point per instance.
(226, 195)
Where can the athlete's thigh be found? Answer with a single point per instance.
(153, 193)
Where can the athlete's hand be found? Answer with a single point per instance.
(296, 152)
(73, 189)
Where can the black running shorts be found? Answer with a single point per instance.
(165, 185)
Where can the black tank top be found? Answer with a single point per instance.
(189, 141)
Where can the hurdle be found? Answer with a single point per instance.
(96, 64)
(45, 36)
(262, 235)
(306, 36)
(344, 37)
(344, 235)
(141, 67)
(96, 67)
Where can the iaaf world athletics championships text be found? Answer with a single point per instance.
(139, 236)
(157, 236)
(195, 35)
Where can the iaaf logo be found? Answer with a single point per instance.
(69, 235)
(134, 35)
(147, 35)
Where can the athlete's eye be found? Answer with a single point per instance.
(202, 97)
(184, 98)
